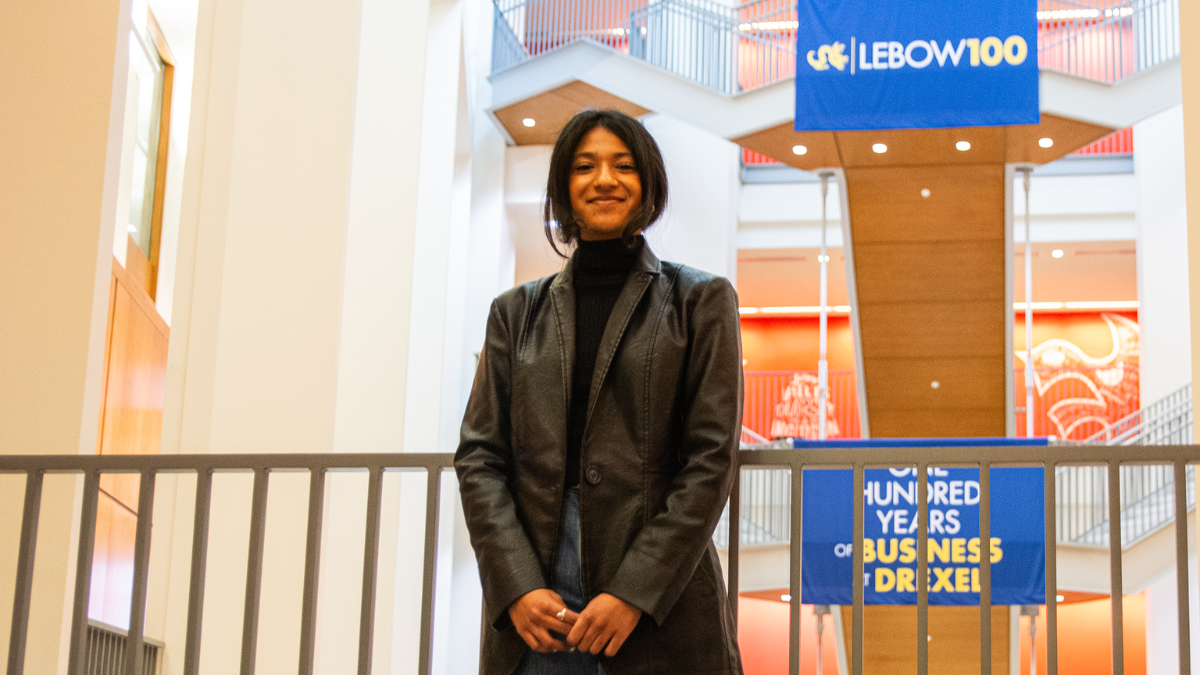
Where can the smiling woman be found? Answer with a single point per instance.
(598, 443)
(607, 180)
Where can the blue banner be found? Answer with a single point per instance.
(1017, 548)
(887, 64)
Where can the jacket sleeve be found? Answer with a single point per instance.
(664, 555)
(508, 565)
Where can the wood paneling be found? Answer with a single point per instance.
(777, 143)
(938, 271)
(890, 634)
(921, 147)
(932, 330)
(551, 110)
(964, 202)
(135, 386)
(130, 424)
(906, 384)
(930, 275)
(1021, 144)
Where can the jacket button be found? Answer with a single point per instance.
(593, 475)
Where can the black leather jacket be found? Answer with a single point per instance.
(657, 461)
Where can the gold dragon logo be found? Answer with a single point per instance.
(828, 55)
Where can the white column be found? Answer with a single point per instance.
(1162, 255)
(700, 224)
(292, 303)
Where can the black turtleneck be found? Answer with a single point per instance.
(601, 268)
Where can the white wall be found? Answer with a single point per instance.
(1164, 315)
(699, 227)
(1162, 622)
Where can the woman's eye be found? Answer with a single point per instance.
(583, 167)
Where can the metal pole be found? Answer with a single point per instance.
(1028, 315)
(823, 363)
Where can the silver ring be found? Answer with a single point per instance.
(562, 614)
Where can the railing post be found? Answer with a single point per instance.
(312, 571)
(795, 543)
(254, 564)
(25, 557)
(734, 546)
(1115, 567)
(77, 661)
(425, 656)
(134, 653)
(191, 653)
(366, 621)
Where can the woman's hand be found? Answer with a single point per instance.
(535, 615)
(604, 625)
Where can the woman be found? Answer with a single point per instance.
(598, 444)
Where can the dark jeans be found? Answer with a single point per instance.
(568, 583)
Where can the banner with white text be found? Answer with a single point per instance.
(1017, 547)
(887, 64)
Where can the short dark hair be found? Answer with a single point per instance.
(646, 157)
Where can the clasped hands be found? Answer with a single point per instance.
(602, 626)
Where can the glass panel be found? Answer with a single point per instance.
(145, 99)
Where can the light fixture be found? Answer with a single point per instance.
(1020, 306)
(925, 192)
(785, 597)
(963, 146)
(822, 258)
(1103, 304)
(1059, 598)
(845, 309)
(879, 148)
(1045, 142)
(1056, 253)
(528, 121)
(935, 384)
(799, 149)
(747, 310)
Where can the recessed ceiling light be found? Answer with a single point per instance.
(1046, 142)
(963, 146)
(528, 121)
(785, 598)
(879, 148)
(1059, 598)
(822, 258)
(799, 149)
(925, 192)
(1056, 253)
(935, 384)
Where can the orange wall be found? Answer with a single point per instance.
(763, 635)
(1084, 640)
(792, 343)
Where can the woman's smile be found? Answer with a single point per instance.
(606, 190)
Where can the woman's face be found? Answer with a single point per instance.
(605, 188)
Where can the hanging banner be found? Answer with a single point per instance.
(1017, 548)
(887, 64)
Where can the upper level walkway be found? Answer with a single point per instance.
(730, 69)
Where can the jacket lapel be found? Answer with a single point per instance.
(562, 299)
(643, 273)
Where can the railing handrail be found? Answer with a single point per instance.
(1184, 394)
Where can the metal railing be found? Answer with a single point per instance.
(1167, 421)
(1106, 40)
(203, 466)
(107, 651)
(1176, 459)
(740, 47)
